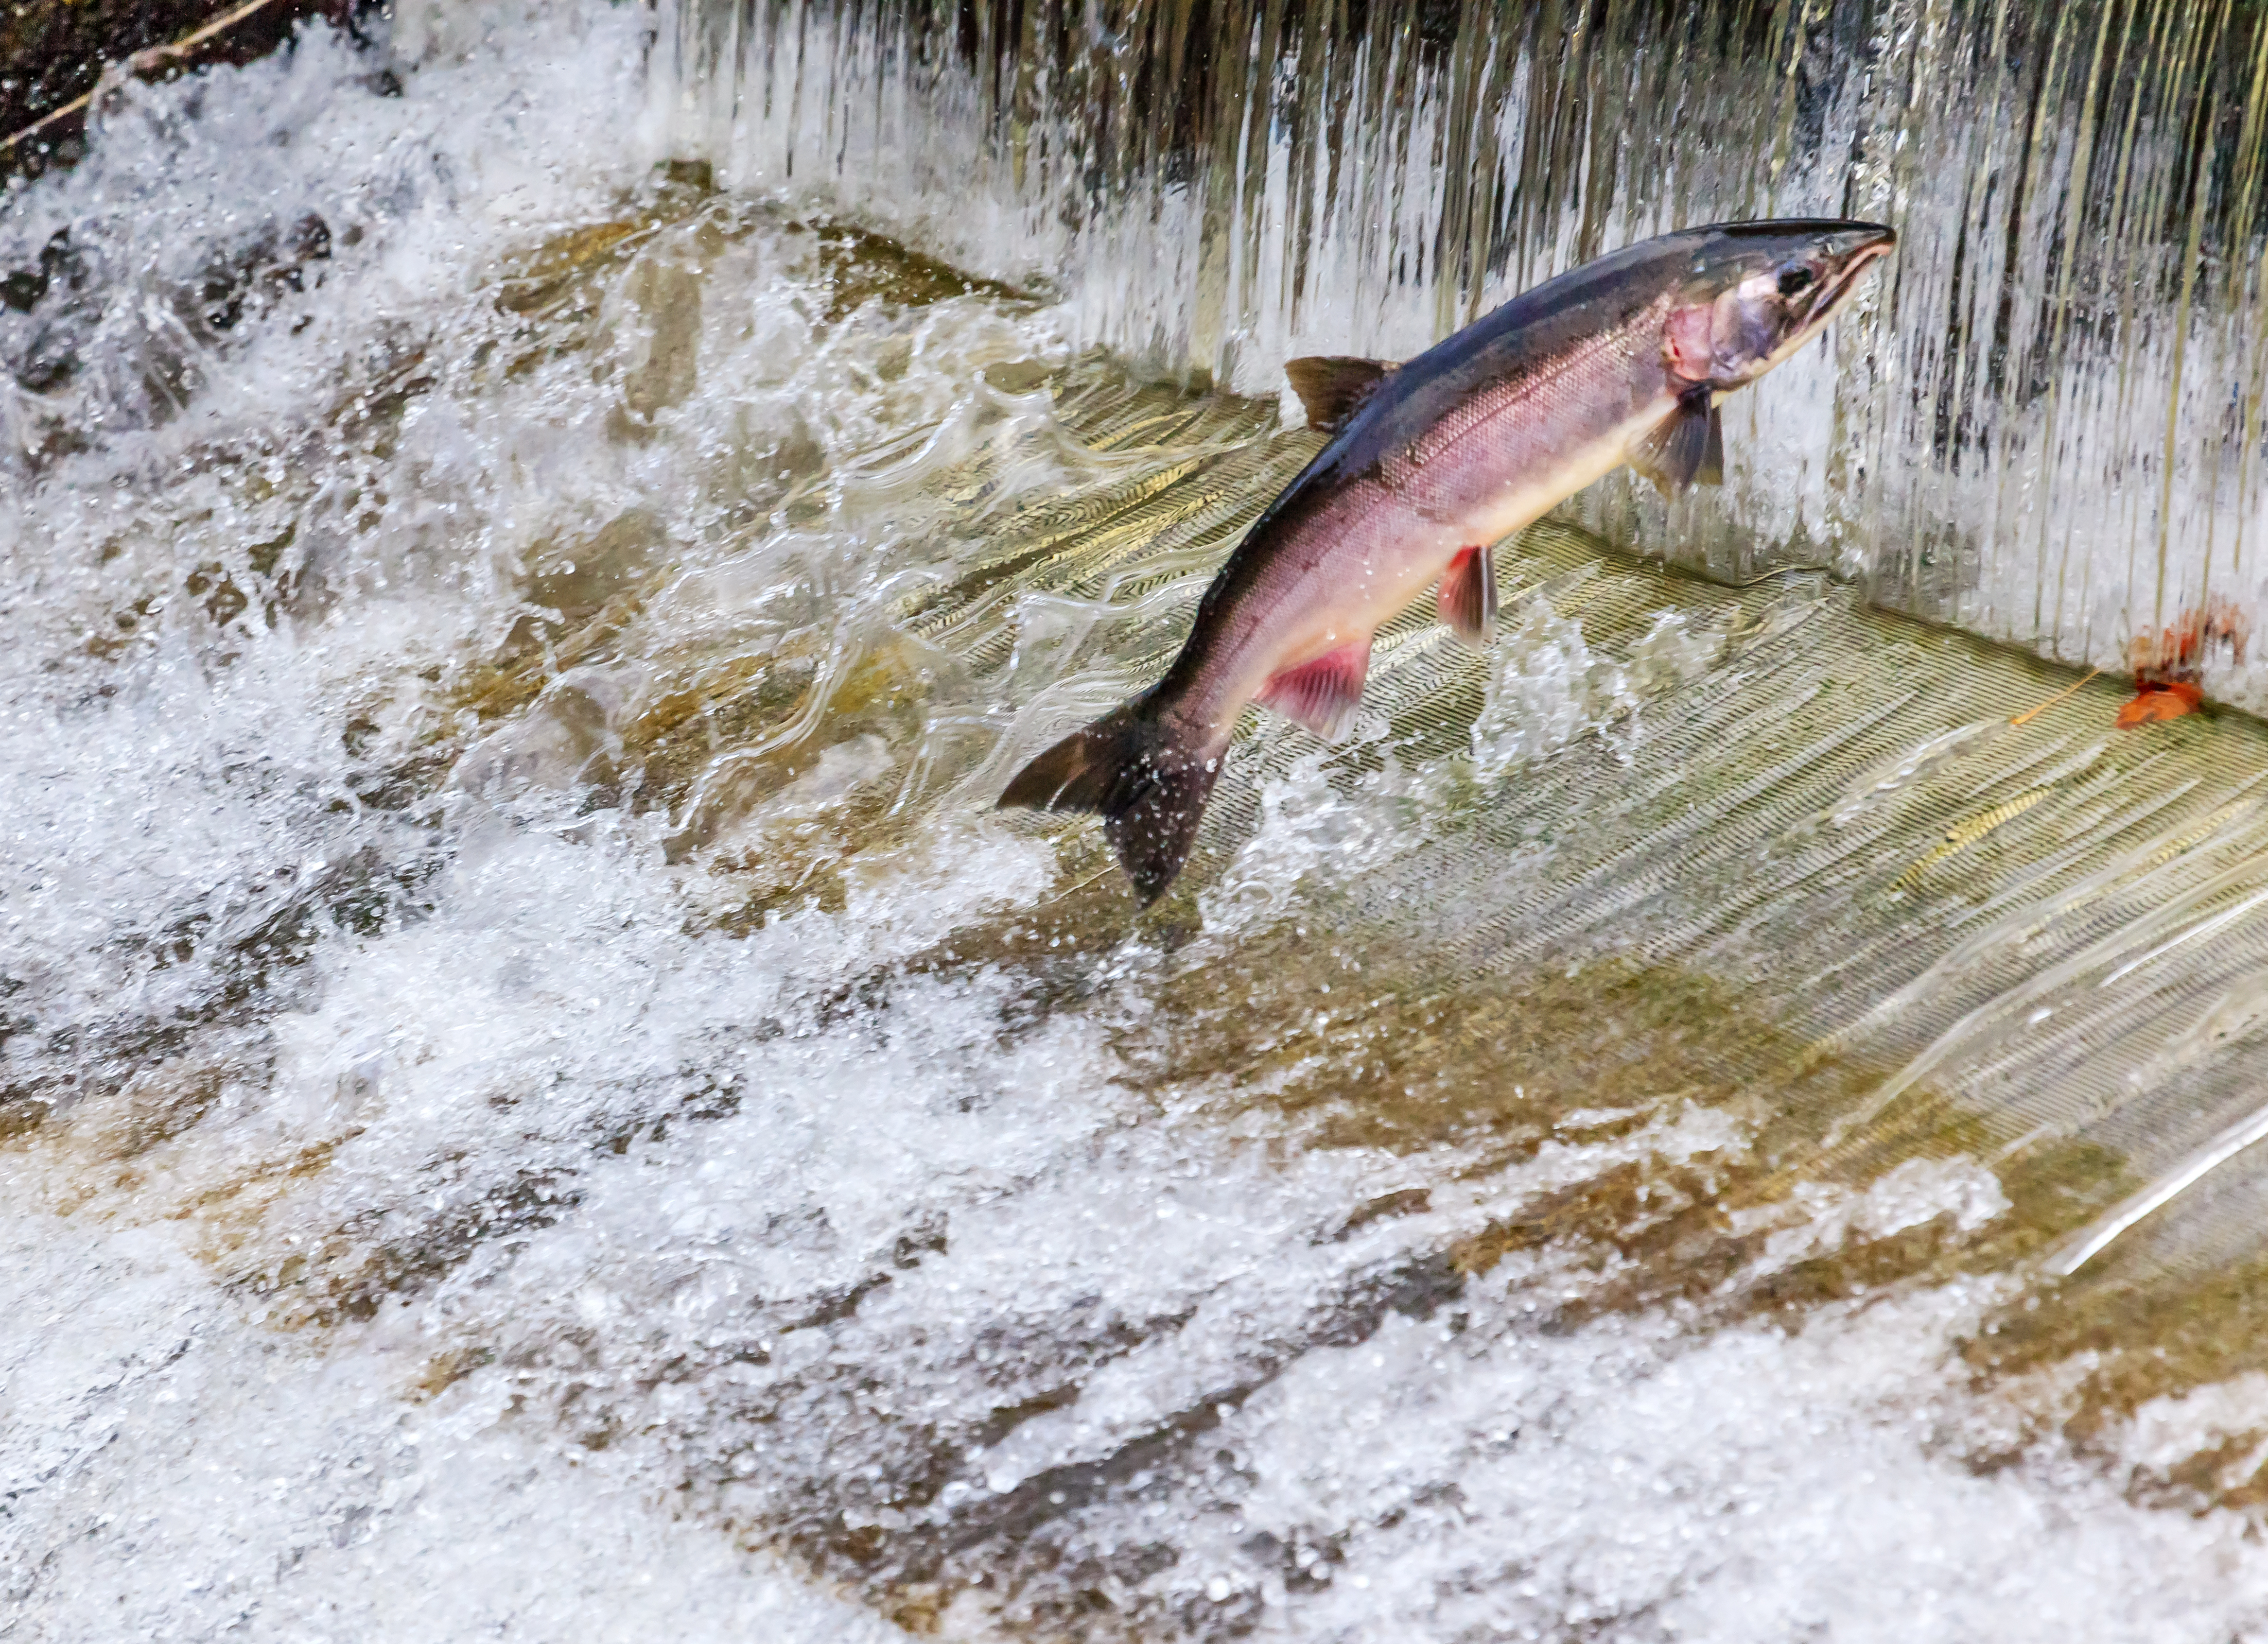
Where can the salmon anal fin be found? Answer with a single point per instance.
(1321, 694)
(1687, 449)
(1332, 386)
(1467, 597)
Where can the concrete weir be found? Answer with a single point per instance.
(1947, 907)
(541, 1099)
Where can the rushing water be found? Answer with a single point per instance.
(541, 1104)
(2044, 423)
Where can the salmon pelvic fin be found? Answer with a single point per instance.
(1142, 774)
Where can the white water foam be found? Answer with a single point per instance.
(446, 1228)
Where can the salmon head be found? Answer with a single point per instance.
(1751, 294)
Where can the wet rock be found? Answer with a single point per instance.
(21, 289)
(579, 579)
(258, 274)
(566, 740)
(660, 343)
(84, 307)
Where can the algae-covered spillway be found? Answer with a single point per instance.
(539, 1101)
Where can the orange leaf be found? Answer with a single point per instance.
(2170, 702)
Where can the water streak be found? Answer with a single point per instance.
(2045, 424)
(538, 1096)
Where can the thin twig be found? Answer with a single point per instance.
(146, 62)
(1075, 890)
(2027, 717)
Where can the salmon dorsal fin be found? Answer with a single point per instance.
(1467, 597)
(1687, 449)
(1333, 386)
(1321, 694)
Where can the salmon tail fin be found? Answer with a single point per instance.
(1147, 781)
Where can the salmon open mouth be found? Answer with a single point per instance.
(1835, 292)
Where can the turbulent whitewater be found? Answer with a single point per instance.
(540, 1102)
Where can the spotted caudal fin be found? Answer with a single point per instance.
(1687, 449)
(1332, 386)
(1467, 596)
(1145, 778)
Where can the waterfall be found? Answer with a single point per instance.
(540, 1097)
(2044, 425)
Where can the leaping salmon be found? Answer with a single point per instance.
(1623, 360)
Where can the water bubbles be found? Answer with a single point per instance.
(1546, 687)
(547, 1070)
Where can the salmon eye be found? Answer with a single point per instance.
(1794, 280)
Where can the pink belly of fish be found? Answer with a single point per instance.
(1382, 549)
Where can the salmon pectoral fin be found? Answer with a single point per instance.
(1321, 694)
(1142, 774)
(1687, 448)
(1467, 596)
(1332, 386)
